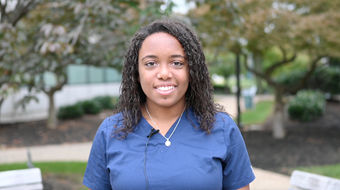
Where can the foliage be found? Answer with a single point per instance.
(244, 82)
(41, 36)
(307, 105)
(290, 78)
(334, 61)
(223, 65)
(327, 170)
(70, 111)
(258, 114)
(274, 55)
(115, 101)
(91, 106)
(106, 102)
(252, 27)
(324, 78)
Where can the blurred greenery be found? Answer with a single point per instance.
(71, 172)
(327, 170)
(258, 114)
(70, 111)
(93, 106)
(50, 167)
(47, 36)
(307, 105)
(325, 78)
(281, 36)
(274, 54)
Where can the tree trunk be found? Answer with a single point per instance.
(258, 59)
(52, 121)
(278, 117)
(1, 100)
(52, 115)
(238, 93)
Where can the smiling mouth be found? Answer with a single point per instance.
(165, 88)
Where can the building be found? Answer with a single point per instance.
(84, 82)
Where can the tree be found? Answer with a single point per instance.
(295, 27)
(11, 40)
(58, 33)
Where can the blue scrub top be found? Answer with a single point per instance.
(195, 160)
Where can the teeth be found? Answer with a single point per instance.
(165, 88)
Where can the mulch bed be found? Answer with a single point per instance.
(306, 144)
(313, 143)
(36, 133)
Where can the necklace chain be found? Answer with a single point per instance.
(167, 143)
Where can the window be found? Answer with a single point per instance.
(85, 74)
(77, 74)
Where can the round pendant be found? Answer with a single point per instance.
(167, 143)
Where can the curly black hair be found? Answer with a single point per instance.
(199, 94)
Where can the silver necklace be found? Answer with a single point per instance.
(167, 142)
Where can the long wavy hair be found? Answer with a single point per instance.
(199, 94)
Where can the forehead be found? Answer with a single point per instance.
(161, 43)
(161, 37)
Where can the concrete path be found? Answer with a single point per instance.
(230, 102)
(265, 180)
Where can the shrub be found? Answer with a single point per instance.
(324, 78)
(106, 102)
(115, 100)
(291, 78)
(70, 111)
(91, 106)
(307, 105)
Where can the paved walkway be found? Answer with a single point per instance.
(265, 180)
(230, 103)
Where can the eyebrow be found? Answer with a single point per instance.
(153, 56)
(149, 56)
(178, 56)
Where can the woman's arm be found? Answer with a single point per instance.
(245, 188)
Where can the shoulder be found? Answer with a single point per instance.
(111, 122)
(224, 120)
(225, 123)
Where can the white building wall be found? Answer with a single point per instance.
(69, 94)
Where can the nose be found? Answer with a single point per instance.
(164, 72)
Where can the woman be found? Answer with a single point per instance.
(167, 132)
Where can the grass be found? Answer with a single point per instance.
(72, 172)
(50, 167)
(258, 114)
(327, 170)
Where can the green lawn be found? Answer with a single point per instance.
(327, 170)
(50, 167)
(72, 172)
(258, 114)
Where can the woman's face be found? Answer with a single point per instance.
(163, 70)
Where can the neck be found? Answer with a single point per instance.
(163, 113)
(163, 117)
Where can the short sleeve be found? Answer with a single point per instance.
(237, 171)
(97, 175)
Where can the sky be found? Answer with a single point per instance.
(182, 7)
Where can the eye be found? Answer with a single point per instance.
(177, 63)
(150, 63)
